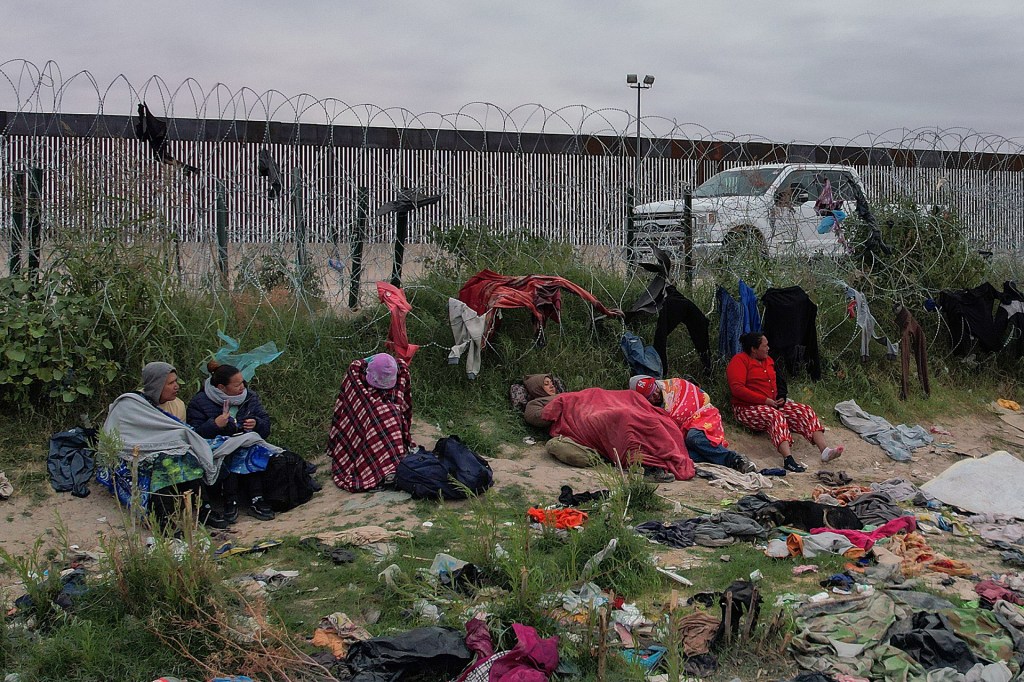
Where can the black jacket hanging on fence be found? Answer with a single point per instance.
(677, 309)
(790, 323)
(651, 300)
(673, 308)
(267, 168)
(1010, 315)
(154, 131)
(911, 339)
(968, 314)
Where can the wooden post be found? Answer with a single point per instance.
(602, 644)
(728, 617)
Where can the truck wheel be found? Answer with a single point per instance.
(742, 243)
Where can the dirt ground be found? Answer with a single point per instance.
(30, 516)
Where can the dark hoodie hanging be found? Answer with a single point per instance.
(268, 168)
(154, 131)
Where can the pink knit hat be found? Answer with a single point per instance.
(381, 371)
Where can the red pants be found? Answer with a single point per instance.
(780, 421)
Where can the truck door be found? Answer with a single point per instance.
(796, 221)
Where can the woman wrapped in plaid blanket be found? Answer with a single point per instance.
(372, 417)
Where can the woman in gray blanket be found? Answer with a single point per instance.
(172, 458)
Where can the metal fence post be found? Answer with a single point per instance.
(688, 237)
(18, 221)
(33, 219)
(362, 210)
(401, 234)
(630, 226)
(299, 212)
(221, 213)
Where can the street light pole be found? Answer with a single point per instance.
(633, 192)
(635, 83)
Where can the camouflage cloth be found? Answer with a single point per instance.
(849, 637)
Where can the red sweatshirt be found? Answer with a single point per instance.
(751, 381)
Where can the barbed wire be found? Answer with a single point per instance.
(504, 172)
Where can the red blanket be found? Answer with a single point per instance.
(620, 424)
(398, 338)
(487, 291)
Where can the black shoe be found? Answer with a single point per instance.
(231, 512)
(212, 518)
(792, 465)
(654, 475)
(261, 510)
(744, 465)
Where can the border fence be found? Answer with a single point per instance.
(90, 171)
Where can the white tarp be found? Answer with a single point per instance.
(992, 484)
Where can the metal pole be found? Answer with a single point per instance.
(222, 232)
(18, 221)
(401, 233)
(299, 213)
(33, 219)
(630, 226)
(362, 210)
(688, 237)
(636, 175)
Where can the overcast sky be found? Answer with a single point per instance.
(785, 70)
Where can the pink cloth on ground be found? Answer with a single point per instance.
(902, 524)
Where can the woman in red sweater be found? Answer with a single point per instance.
(755, 402)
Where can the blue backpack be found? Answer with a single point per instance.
(425, 474)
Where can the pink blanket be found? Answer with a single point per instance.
(902, 524)
(620, 425)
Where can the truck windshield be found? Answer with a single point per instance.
(743, 182)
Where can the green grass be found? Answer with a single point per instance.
(149, 319)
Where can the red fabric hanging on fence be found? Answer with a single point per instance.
(398, 338)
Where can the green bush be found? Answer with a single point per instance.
(53, 342)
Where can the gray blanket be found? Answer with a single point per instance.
(141, 425)
(897, 441)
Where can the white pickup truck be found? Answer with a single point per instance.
(769, 208)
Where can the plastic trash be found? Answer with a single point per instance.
(245, 362)
(595, 561)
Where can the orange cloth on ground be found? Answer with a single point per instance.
(918, 556)
(559, 518)
(845, 493)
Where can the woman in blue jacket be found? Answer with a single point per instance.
(227, 407)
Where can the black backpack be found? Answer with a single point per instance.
(425, 474)
(287, 482)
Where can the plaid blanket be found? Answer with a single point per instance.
(370, 432)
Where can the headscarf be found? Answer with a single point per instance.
(154, 378)
(381, 371)
(535, 385)
(643, 384)
(218, 396)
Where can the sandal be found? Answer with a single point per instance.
(791, 465)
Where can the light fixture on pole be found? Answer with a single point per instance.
(634, 82)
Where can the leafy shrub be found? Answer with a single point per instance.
(52, 342)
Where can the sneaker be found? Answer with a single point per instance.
(829, 454)
(658, 476)
(211, 518)
(260, 509)
(792, 465)
(231, 512)
(744, 465)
